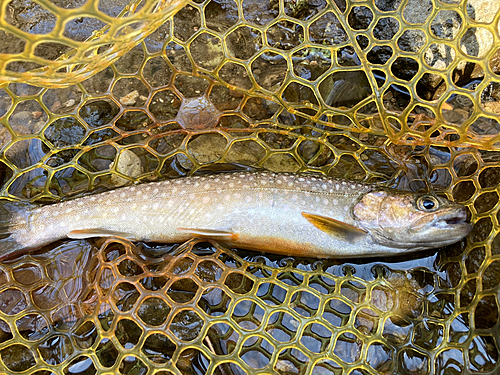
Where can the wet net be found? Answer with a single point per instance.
(394, 92)
(59, 43)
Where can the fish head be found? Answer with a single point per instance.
(410, 221)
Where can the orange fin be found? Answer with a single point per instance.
(98, 232)
(215, 234)
(335, 227)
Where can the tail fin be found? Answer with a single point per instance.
(13, 219)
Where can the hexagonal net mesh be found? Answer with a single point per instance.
(377, 91)
(57, 44)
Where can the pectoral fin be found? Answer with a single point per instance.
(215, 234)
(98, 232)
(335, 227)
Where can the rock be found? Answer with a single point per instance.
(198, 113)
(246, 152)
(481, 10)
(281, 163)
(184, 161)
(207, 148)
(130, 98)
(492, 107)
(476, 41)
(417, 11)
(129, 164)
(69, 103)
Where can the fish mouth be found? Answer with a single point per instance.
(453, 220)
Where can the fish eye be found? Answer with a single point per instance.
(427, 203)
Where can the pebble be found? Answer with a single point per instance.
(129, 164)
(130, 98)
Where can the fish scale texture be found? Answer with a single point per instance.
(374, 91)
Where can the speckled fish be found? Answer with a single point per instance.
(289, 214)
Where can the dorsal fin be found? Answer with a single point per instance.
(335, 228)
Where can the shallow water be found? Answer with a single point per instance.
(286, 89)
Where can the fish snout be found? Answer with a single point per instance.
(452, 219)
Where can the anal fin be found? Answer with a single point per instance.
(99, 232)
(215, 234)
(335, 227)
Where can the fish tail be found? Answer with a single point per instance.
(13, 221)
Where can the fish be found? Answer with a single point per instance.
(283, 213)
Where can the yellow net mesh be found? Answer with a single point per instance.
(54, 43)
(389, 91)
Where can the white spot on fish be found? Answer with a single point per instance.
(323, 186)
(227, 197)
(155, 206)
(206, 186)
(155, 191)
(317, 199)
(301, 179)
(325, 202)
(206, 200)
(123, 195)
(335, 201)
